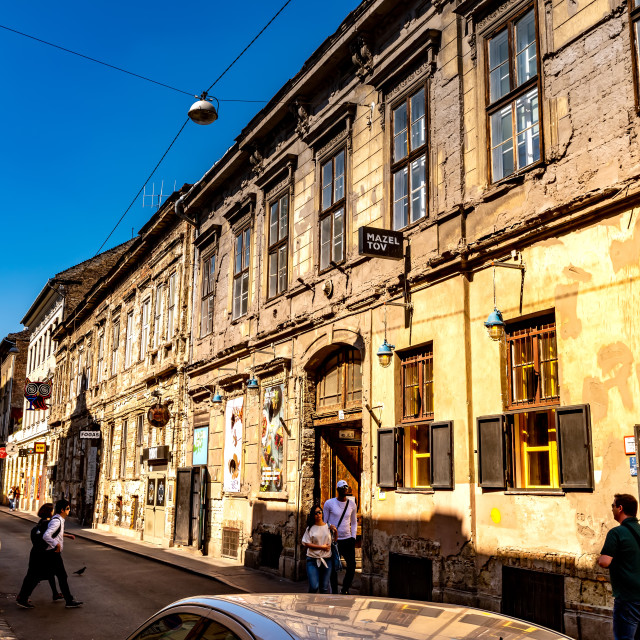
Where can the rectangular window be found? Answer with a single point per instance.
(206, 304)
(80, 373)
(144, 328)
(417, 406)
(241, 274)
(115, 343)
(409, 166)
(111, 453)
(128, 348)
(123, 450)
(532, 361)
(87, 374)
(172, 309)
(332, 210)
(100, 363)
(513, 94)
(278, 245)
(139, 441)
(157, 321)
(72, 382)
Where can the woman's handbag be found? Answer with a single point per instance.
(335, 557)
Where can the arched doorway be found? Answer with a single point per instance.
(338, 423)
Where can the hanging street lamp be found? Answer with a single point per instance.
(203, 111)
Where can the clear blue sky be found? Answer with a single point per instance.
(79, 139)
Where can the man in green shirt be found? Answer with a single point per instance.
(621, 555)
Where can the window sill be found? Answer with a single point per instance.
(235, 494)
(504, 185)
(273, 495)
(534, 492)
(415, 490)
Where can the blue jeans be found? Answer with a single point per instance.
(318, 576)
(626, 620)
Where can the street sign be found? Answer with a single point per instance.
(380, 243)
(40, 447)
(90, 435)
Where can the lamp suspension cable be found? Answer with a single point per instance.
(185, 124)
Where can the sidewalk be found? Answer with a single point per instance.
(225, 571)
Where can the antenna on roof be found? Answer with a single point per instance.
(153, 199)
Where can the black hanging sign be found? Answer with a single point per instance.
(380, 243)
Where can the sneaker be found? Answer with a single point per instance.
(74, 604)
(58, 596)
(24, 605)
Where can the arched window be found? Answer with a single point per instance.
(340, 381)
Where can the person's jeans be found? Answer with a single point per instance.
(318, 576)
(347, 548)
(626, 620)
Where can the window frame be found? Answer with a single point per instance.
(534, 329)
(172, 305)
(412, 154)
(345, 359)
(207, 292)
(158, 315)
(145, 324)
(243, 273)
(422, 357)
(115, 344)
(100, 361)
(274, 246)
(634, 17)
(123, 447)
(513, 94)
(333, 208)
(128, 346)
(137, 465)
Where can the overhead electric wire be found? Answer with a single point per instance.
(106, 64)
(185, 124)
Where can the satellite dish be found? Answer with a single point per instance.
(203, 111)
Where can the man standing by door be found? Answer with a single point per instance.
(621, 555)
(340, 515)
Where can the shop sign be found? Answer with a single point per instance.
(90, 435)
(3, 452)
(11, 448)
(22, 453)
(40, 447)
(380, 243)
(629, 445)
(200, 445)
(155, 454)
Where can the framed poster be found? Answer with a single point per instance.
(272, 440)
(200, 446)
(233, 444)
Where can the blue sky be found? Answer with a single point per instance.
(79, 139)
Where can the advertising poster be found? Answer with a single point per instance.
(200, 445)
(232, 444)
(272, 440)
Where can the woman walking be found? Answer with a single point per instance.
(317, 540)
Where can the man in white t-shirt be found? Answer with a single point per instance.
(340, 514)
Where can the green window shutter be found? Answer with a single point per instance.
(491, 452)
(573, 428)
(441, 441)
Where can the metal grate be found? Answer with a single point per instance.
(230, 542)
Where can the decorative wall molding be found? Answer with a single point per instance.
(497, 15)
(361, 54)
(426, 70)
(342, 135)
(300, 110)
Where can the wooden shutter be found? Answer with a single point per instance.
(389, 457)
(573, 427)
(441, 439)
(491, 452)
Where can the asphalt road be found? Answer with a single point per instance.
(119, 590)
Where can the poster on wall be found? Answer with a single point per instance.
(200, 445)
(232, 444)
(272, 440)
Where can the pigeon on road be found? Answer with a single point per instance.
(79, 572)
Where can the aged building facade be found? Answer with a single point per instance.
(119, 398)
(32, 468)
(500, 138)
(13, 366)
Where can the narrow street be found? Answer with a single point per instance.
(119, 590)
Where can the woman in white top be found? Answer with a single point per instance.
(317, 540)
